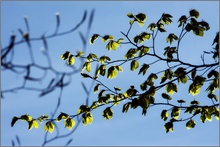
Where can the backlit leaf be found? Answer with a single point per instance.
(134, 65)
(14, 120)
(164, 115)
(93, 38)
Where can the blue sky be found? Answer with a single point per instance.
(110, 18)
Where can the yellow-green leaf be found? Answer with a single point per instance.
(65, 55)
(69, 123)
(134, 65)
(112, 72)
(164, 115)
(93, 38)
(70, 60)
(49, 126)
(14, 120)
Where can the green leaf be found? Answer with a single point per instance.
(194, 102)
(112, 72)
(42, 118)
(175, 112)
(194, 13)
(107, 37)
(85, 75)
(190, 124)
(130, 15)
(14, 120)
(166, 96)
(83, 108)
(141, 17)
(131, 53)
(65, 55)
(152, 26)
(79, 54)
(87, 65)
(144, 69)
(102, 70)
(119, 68)
(107, 113)
(117, 89)
(103, 59)
(171, 88)
(168, 127)
(164, 115)
(69, 123)
(93, 38)
(182, 20)
(126, 106)
(171, 37)
(87, 118)
(96, 88)
(199, 31)
(143, 50)
(112, 45)
(134, 65)
(32, 123)
(49, 126)
(70, 60)
(116, 100)
(181, 101)
(188, 27)
(193, 73)
(94, 105)
(62, 116)
(26, 117)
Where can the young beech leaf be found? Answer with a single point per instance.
(166, 96)
(96, 88)
(107, 113)
(175, 112)
(32, 123)
(107, 37)
(130, 15)
(119, 68)
(194, 13)
(93, 38)
(168, 127)
(190, 124)
(112, 72)
(144, 69)
(70, 60)
(65, 55)
(62, 116)
(49, 126)
(134, 65)
(69, 123)
(164, 115)
(14, 120)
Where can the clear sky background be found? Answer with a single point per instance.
(110, 18)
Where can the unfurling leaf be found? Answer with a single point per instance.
(107, 37)
(164, 115)
(190, 124)
(93, 38)
(112, 72)
(70, 60)
(171, 88)
(166, 96)
(69, 123)
(126, 106)
(168, 127)
(130, 15)
(144, 69)
(96, 88)
(87, 118)
(32, 123)
(107, 113)
(134, 65)
(65, 55)
(49, 126)
(14, 120)
(194, 13)
(62, 116)
(175, 112)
